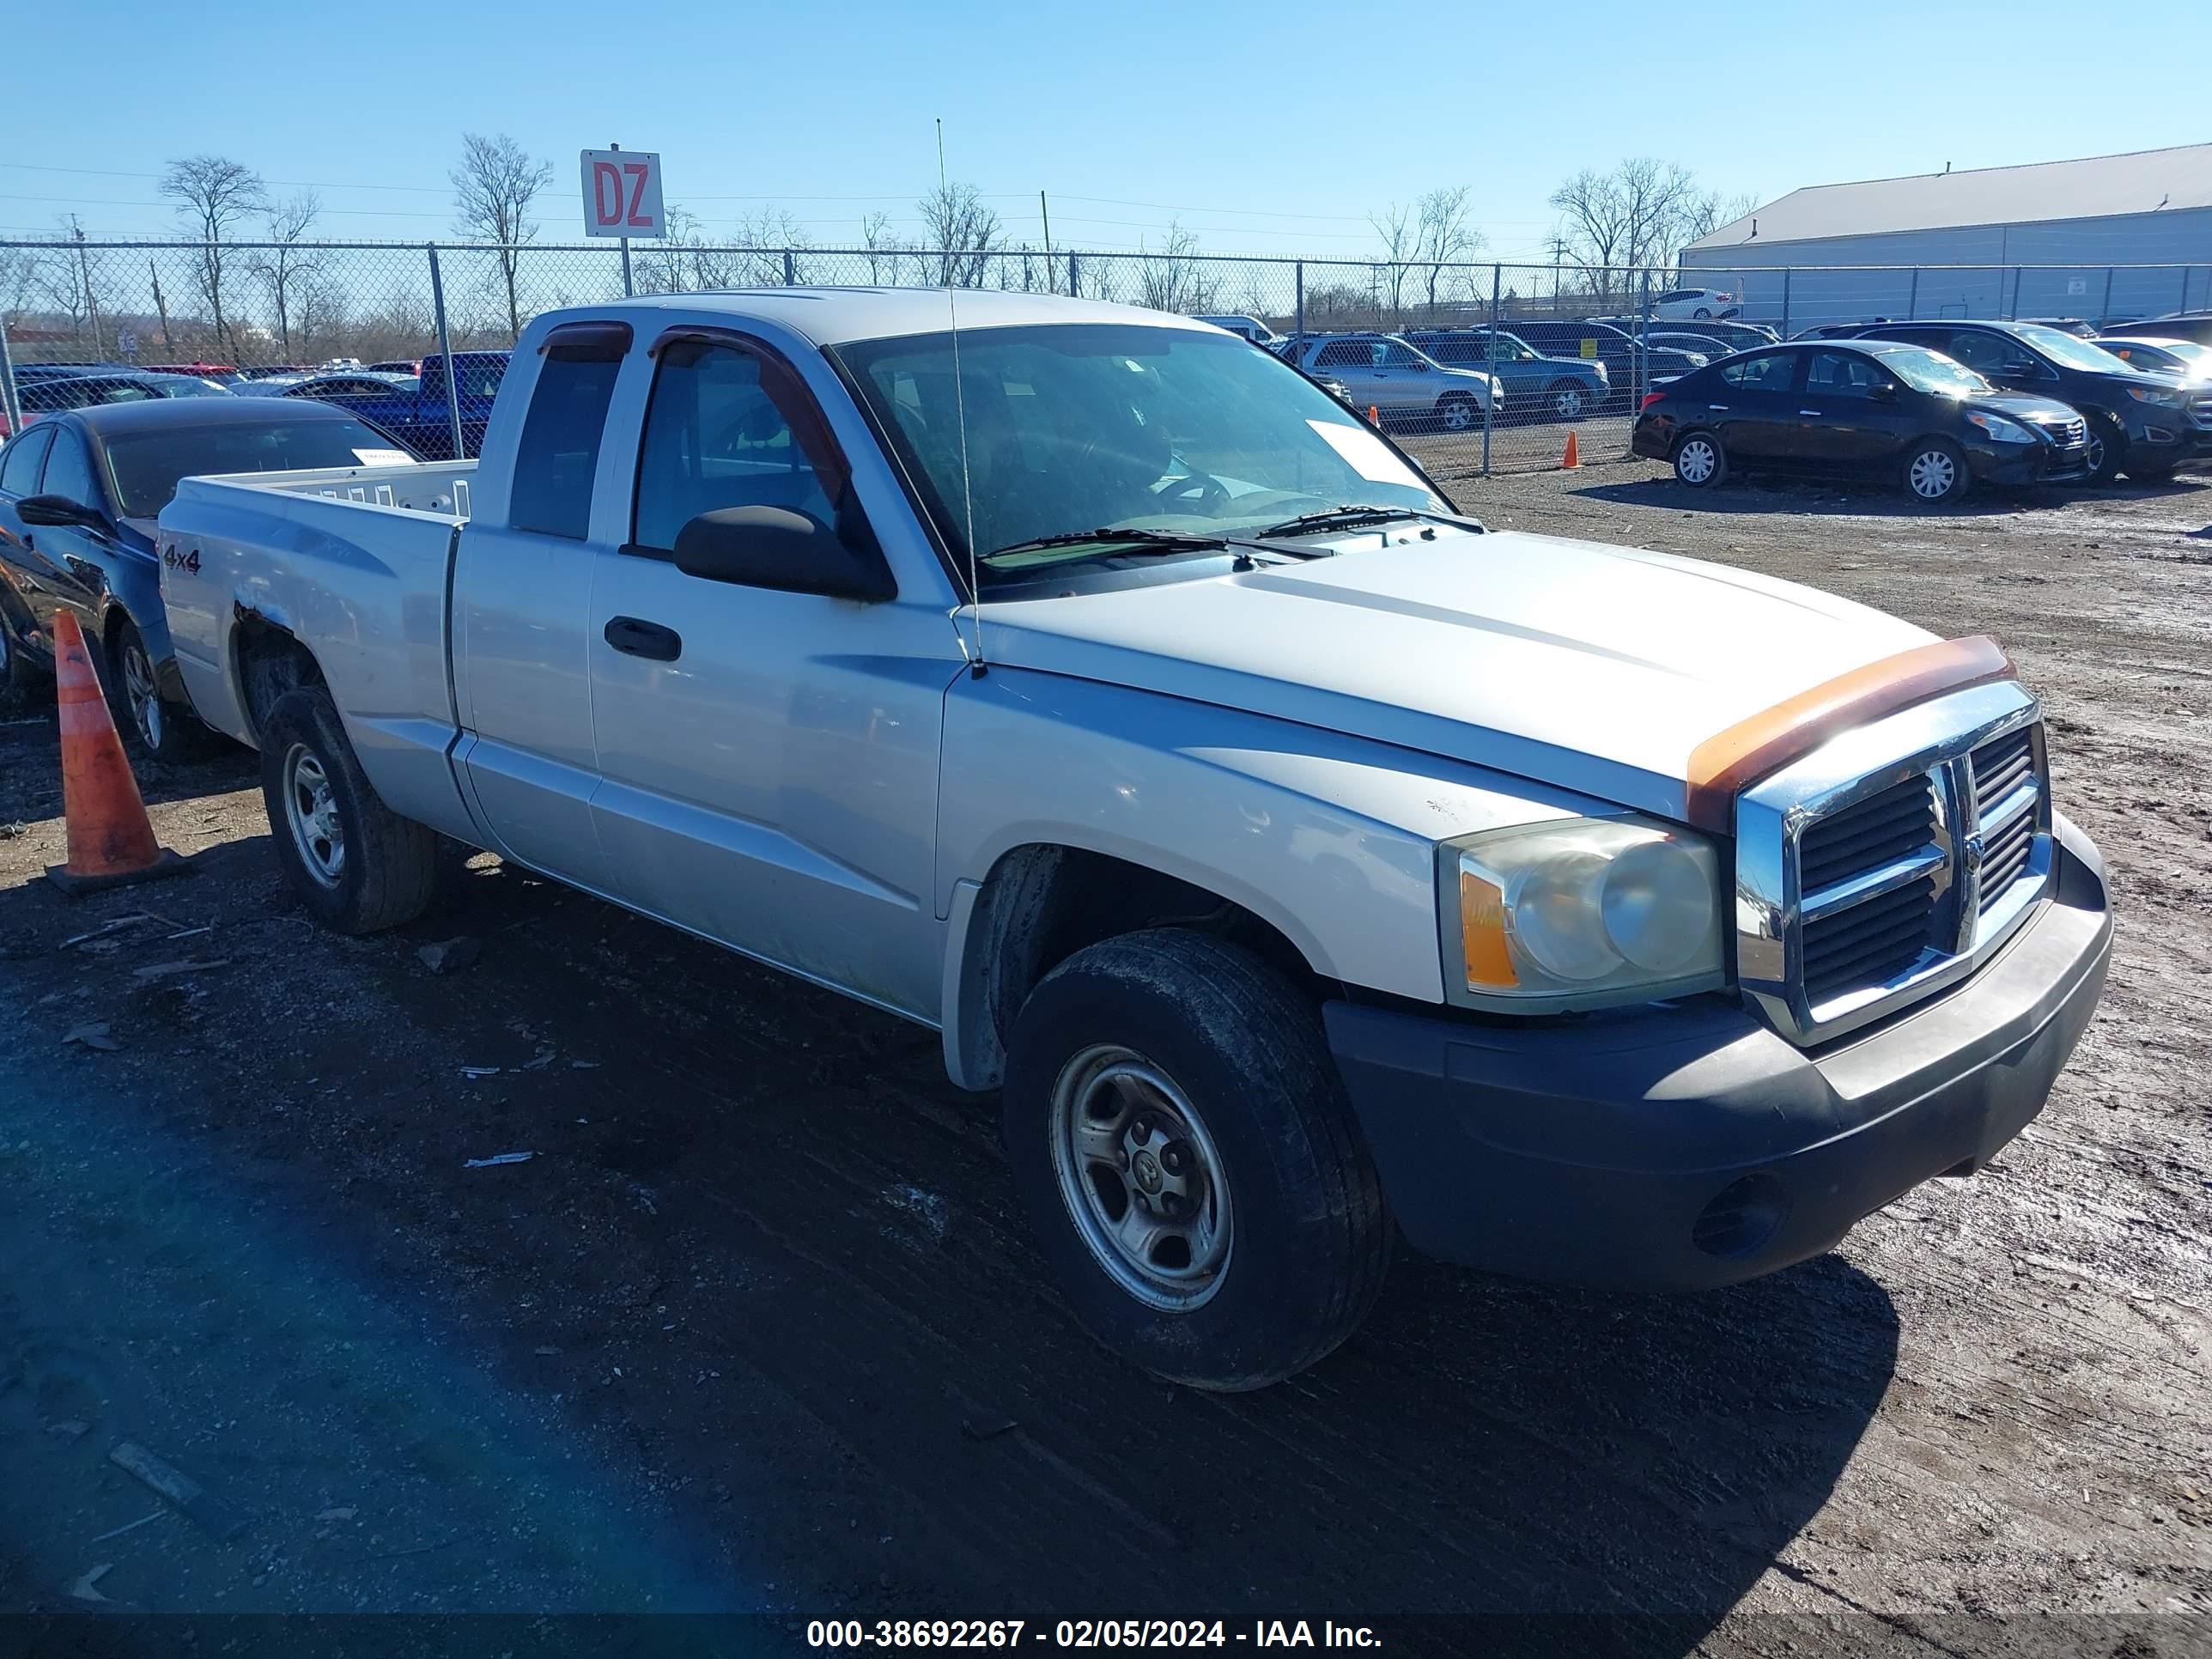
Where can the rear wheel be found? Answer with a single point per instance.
(1936, 471)
(1700, 462)
(357, 866)
(1181, 1142)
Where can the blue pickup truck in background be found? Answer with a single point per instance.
(414, 407)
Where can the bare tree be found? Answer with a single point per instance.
(1171, 279)
(961, 232)
(1626, 220)
(1706, 211)
(1443, 238)
(493, 189)
(215, 196)
(287, 267)
(1399, 229)
(882, 244)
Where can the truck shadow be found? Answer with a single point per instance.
(1482, 1446)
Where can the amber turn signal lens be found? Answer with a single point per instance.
(1482, 933)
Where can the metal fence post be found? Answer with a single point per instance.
(2107, 312)
(1490, 404)
(8, 405)
(1075, 275)
(1786, 275)
(1301, 325)
(2185, 288)
(1912, 300)
(1643, 348)
(445, 351)
(790, 269)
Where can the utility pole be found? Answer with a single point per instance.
(160, 306)
(91, 306)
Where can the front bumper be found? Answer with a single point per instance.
(1683, 1148)
(2028, 464)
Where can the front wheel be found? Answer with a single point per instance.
(1183, 1147)
(357, 866)
(1935, 472)
(168, 731)
(1700, 462)
(1569, 400)
(1459, 414)
(2108, 449)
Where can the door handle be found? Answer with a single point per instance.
(634, 637)
(1809, 411)
(1719, 406)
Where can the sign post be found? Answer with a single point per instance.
(621, 198)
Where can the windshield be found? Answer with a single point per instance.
(1078, 427)
(1931, 371)
(144, 466)
(191, 386)
(2065, 348)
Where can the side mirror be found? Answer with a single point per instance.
(776, 548)
(1883, 391)
(59, 512)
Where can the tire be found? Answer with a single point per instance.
(1700, 314)
(1700, 462)
(1459, 414)
(2108, 449)
(1935, 472)
(163, 730)
(1226, 1059)
(384, 867)
(1569, 400)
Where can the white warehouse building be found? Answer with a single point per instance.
(2107, 238)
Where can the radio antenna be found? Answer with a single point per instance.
(976, 666)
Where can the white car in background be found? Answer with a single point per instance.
(1692, 303)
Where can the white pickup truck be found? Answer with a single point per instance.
(1298, 859)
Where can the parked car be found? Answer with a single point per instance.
(1565, 911)
(1833, 331)
(2142, 425)
(1867, 408)
(1736, 334)
(1401, 383)
(1695, 302)
(413, 408)
(79, 494)
(275, 372)
(2187, 361)
(223, 374)
(1562, 388)
(42, 397)
(1250, 327)
(1685, 340)
(1629, 367)
(398, 365)
(2174, 325)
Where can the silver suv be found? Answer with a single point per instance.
(1399, 381)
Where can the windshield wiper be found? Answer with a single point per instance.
(1351, 517)
(1161, 541)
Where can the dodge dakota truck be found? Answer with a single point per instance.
(1303, 864)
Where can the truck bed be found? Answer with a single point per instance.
(357, 560)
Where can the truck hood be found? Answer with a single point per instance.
(1585, 666)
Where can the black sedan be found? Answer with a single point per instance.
(1869, 408)
(79, 493)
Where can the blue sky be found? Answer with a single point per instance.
(1274, 128)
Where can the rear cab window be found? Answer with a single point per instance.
(558, 455)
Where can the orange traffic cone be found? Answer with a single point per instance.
(111, 840)
(1374, 415)
(1574, 456)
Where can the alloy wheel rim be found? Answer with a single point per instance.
(1934, 472)
(2096, 452)
(1570, 404)
(1141, 1178)
(1458, 416)
(1695, 463)
(312, 814)
(143, 697)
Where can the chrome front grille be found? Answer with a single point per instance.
(2200, 409)
(1886, 864)
(2068, 432)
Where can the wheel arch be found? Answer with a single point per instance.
(267, 661)
(1042, 901)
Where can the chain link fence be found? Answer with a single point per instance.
(1569, 348)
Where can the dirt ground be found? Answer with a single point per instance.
(755, 1327)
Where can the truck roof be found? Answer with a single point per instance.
(833, 316)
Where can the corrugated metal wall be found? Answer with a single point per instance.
(2010, 270)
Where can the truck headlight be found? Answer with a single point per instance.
(1579, 913)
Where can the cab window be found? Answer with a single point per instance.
(558, 455)
(719, 433)
(1769, 371)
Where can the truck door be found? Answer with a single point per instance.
(768, 749)
(521, 595)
